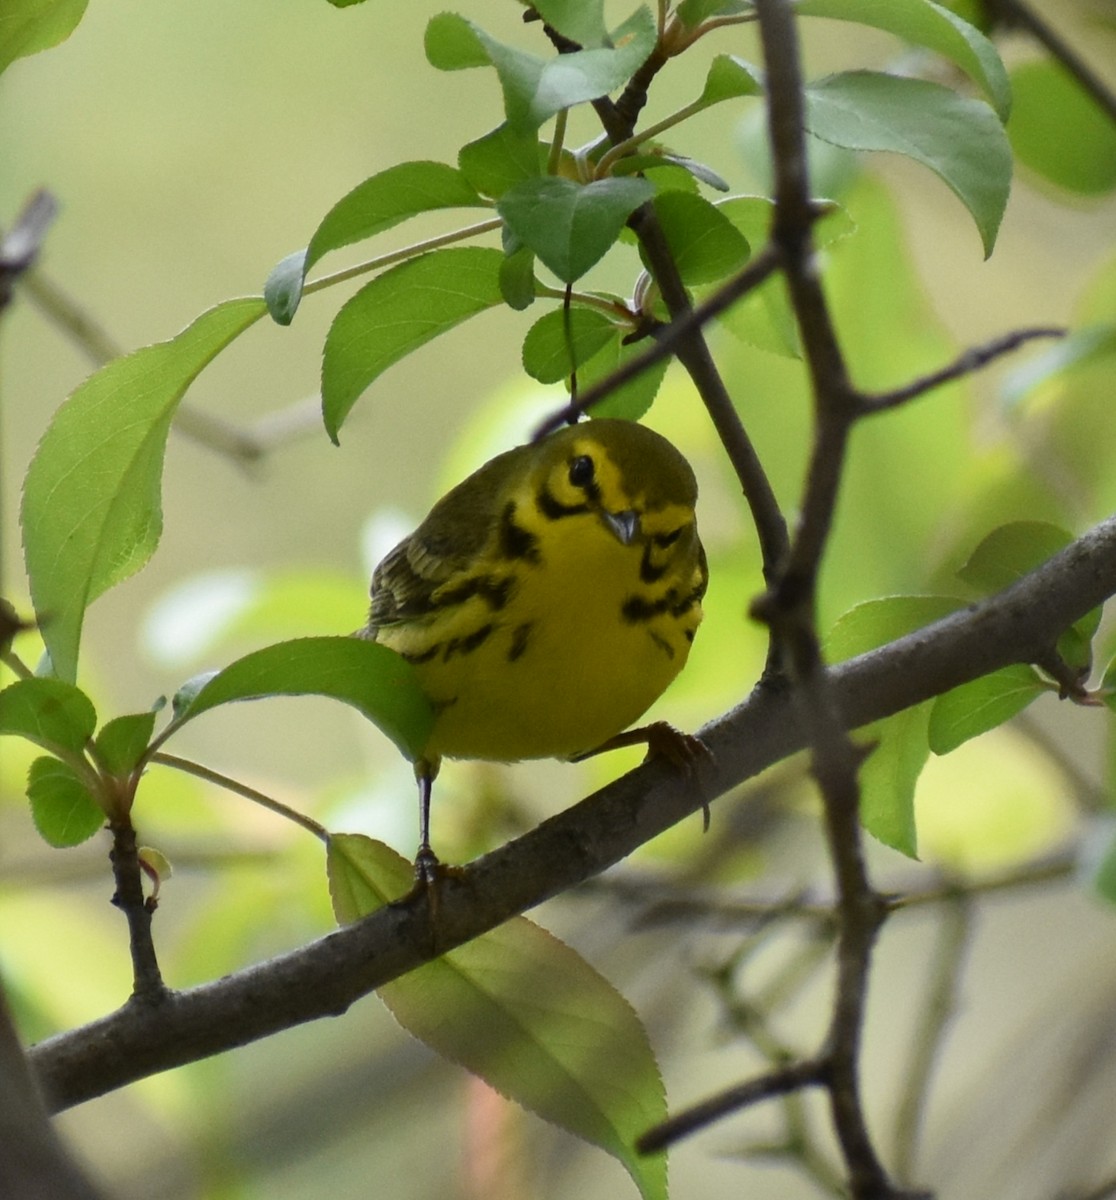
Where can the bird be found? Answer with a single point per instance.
(547, 601)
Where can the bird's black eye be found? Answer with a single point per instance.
(581, 471)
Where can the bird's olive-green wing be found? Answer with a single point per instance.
(455, 534)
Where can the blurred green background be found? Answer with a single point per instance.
(191, 146)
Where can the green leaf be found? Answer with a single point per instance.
(728, 78)
(631, 401)
(546, 348)
(397, 312)
(536, 88)
(764, 318)
(526, 1014)
(378, 203)
(581, 21)
(570, 226)
(705, 243)
(693, 12)
(1011, 551)
(889, 775)
(92, 511)
(28, 26)
(1060, 132)
(877, 622)
(49, 712)
(503, 157)
(517, 279)
(1104, 875)
(924, 23)
(122, 741)
(454, 44)
(64, 812)
(976, 707)
(377, 682)
(959, 139)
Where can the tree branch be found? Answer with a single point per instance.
(326, 976)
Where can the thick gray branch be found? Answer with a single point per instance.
(325, 977)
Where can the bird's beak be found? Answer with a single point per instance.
(625, 525)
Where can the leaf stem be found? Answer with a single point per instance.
(241, 789)
(624, 148)
(401, 255)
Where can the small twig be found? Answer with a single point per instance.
(147, 981)
(791, 1078)
(938, 1008)
(1016, 12)
(966, 363)
(19, 247)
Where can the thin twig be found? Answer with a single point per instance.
(667, 337)
(791, 1078)
(1016, 12)
(966, 363)
(938, 1008)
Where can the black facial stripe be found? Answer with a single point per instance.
(515, 541)
(649, 572)
(553, 508)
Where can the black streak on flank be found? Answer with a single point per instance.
(515, 541)
(466, 645)
(636, 609)
(520, 638)
(495, 591)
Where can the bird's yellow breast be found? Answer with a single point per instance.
(549, 599)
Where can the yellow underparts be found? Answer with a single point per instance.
(578, 651)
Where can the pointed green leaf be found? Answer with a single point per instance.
(631, 401)
(889, 775)
(705, 244)
(728, 78)
(64, 812)
(959, 139)
(536, 88)
(28, 26)
(1007, 554)
(877, 622)
(547, 346)
(924, 23)
(1059, 131)
(526, 1014)
(454, 44)
(396, 313)
(517, 279)
(976, 707)
(377, 682)
(503, 157)
(92, 511)
(581, 21)
(122, 741)
(1010, 551)
(570, 226)
(693, 12)
(377, 204)
(52, 714)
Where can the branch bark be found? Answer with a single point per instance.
(325, 977)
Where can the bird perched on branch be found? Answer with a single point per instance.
(547, 601)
